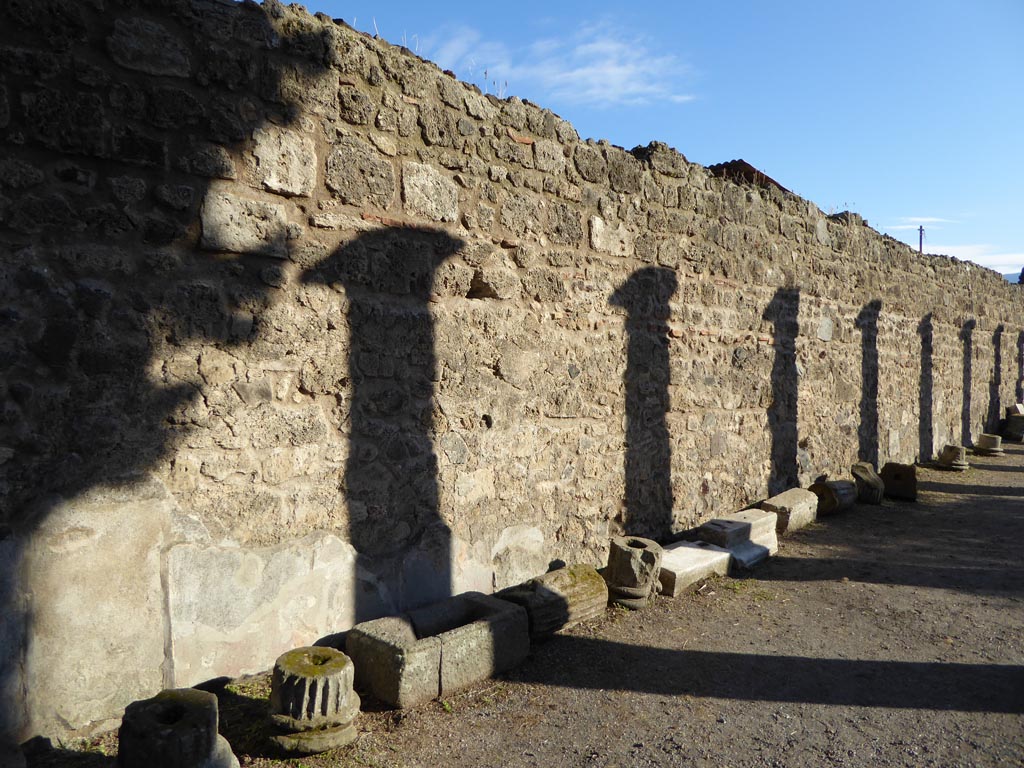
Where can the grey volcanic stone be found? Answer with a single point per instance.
(233, 223)
(177, 728)
(633, 567)
(429, 193)
(900, 481)
(148, 47)
(285, 161)
(408, 660)
(560, 599)
(795, 509)
(359, 174)
(870, 487)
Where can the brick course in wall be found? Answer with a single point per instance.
(299, 330)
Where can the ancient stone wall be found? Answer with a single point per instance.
(299, 330)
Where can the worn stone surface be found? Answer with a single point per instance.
(687, 562)
(240, 225)
(953, 457)
(149, 47)
(86, 608)
(834, 496)
(311, 688)
(392, 664)
(177, 728)
(560, 599)
(429, 193)
(256, 602)
(738, 527)
(900, 480)
(293, 351)
(795, 508)
(870, 487)
(285, 162)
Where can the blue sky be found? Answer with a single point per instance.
(909, 113)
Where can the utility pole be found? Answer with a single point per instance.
(920, 239)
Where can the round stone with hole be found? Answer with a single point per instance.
(177, 728)
(312, 688)
(633, 565)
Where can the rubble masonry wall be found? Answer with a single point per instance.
(298, 330)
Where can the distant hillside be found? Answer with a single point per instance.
(1012, 276)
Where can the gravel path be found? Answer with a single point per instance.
(888, 636)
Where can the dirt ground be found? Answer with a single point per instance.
(886, 636)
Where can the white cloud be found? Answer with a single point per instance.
(985, 255)
(907, 223)
(600, 65)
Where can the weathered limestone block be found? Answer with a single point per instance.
(834, 496)
(749, 535)
(870, 487)
(429, 193)
(284, 161)
(495, 638)
(632, 573)
(357, 173)
(618, 241)
(232, 223)
(393, 664)
(795, 508)
(739, 527)
(560, 599)
(953, 457)
(99, 550)
(177, 728)
(520, 552)
(1014, 429)
(989, 445)
(254, 602)
(900, 481)
(148, 47)
(311, 697)
(411, 659)
(687, 562)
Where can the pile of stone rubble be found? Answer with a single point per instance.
(410, 659)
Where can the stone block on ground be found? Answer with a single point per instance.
(834, 496)
(749, 554)
(494, 639)
(687, 562)
(392, 664)
(1014, 429)
(632, 573)
(749, 535)
(870, 487)
(795, 508)
(734, 529)
(411, 659)
(989, 445)
(177, 728)
(900, 481)
(953, 458)
(560, 599)
(311, 698)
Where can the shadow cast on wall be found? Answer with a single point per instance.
(403, 545)
(783, 312)
(995, 409)
(101, 282)
(867, 432)
(967, 339)
(648, 463)
(925, 402)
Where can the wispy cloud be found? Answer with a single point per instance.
(600, 65)
(985, 255)
(913, 222)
